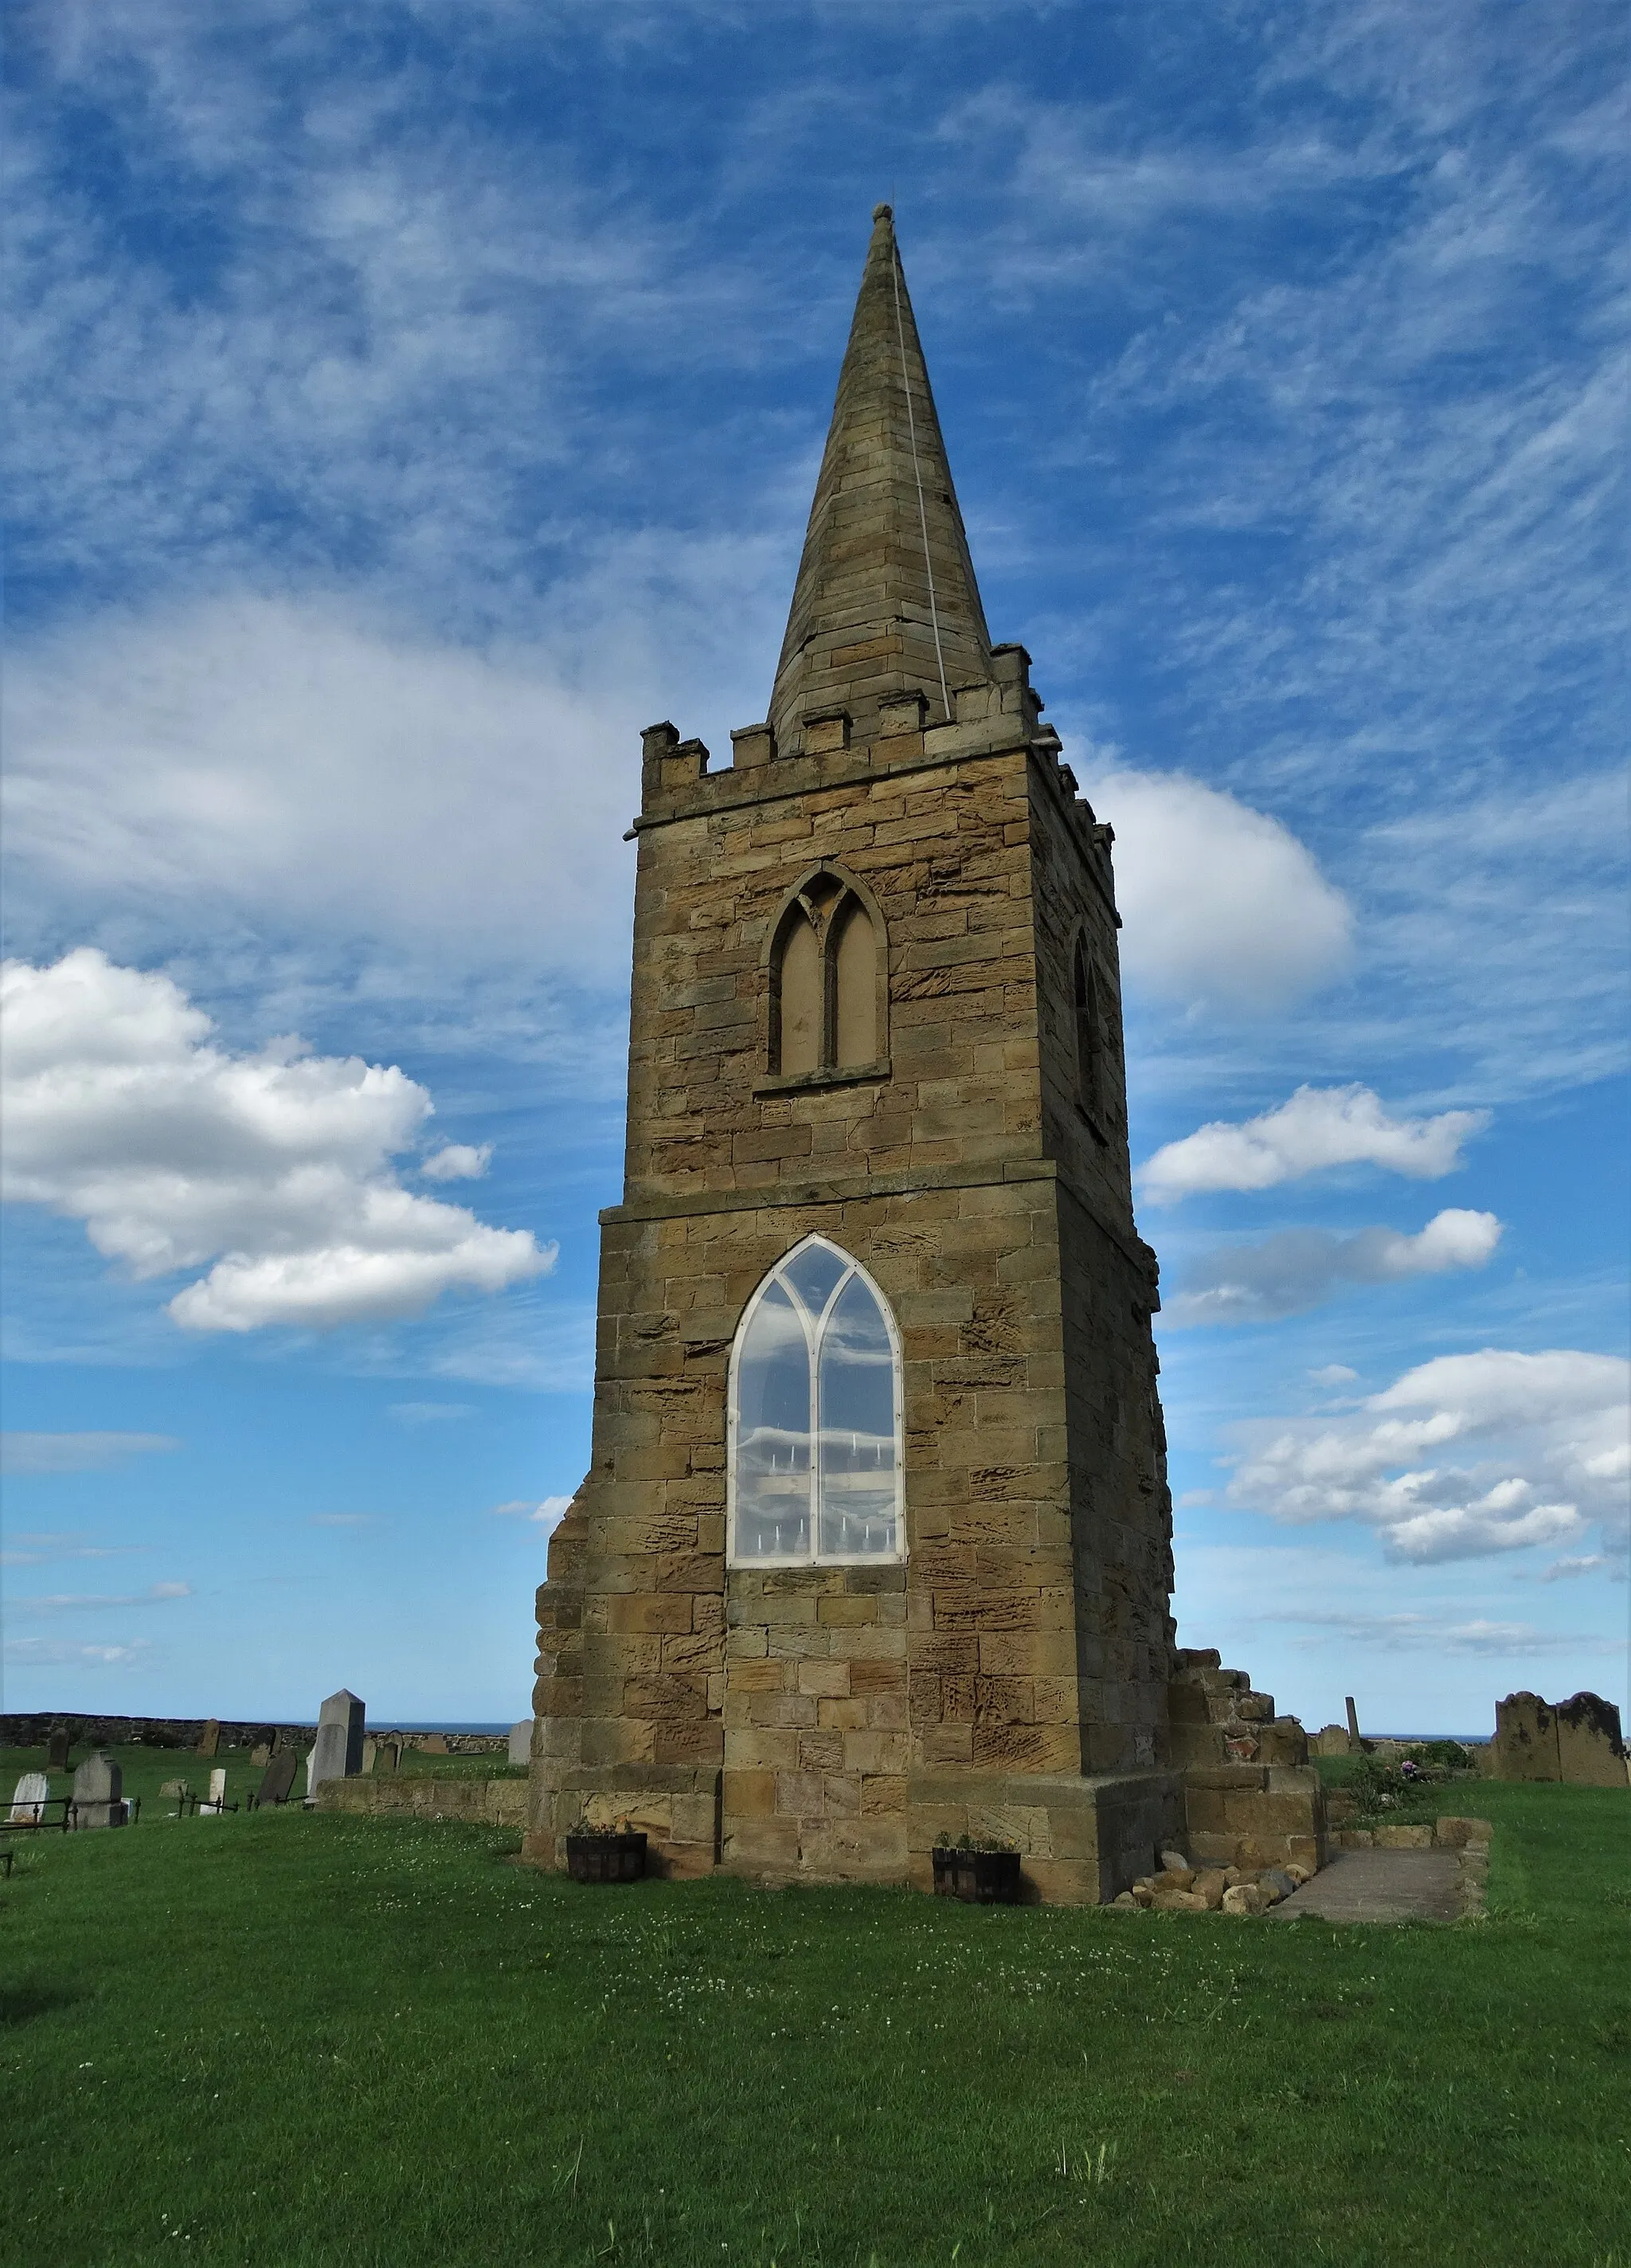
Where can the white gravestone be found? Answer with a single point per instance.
(27, 1798)
(521, 1741)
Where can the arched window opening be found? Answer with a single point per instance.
(814, 1458)
(803, 992)
(824, 983)
(1089, 1033)
(854, 985)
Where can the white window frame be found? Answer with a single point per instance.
(814, 1331)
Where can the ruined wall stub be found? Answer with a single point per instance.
(1009, 1672)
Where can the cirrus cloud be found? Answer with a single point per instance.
(277, 1167)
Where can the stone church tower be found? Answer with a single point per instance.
(876, 1546)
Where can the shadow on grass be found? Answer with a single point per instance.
(25, 2004)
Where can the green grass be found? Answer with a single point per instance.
(293, 2039)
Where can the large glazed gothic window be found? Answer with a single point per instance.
(815, 1417)
(824, 973)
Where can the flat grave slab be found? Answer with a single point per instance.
(1380, 1886)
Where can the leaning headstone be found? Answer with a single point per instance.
(279, 1778)
(27, 1798)
(56, 1750)
(521, 1741)
(1590, 1751)
(209, 1739)
(98, 1792)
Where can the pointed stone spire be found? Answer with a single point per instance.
(886, 602)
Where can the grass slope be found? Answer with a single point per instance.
(288, 2039)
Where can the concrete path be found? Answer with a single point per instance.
(1380, 1886)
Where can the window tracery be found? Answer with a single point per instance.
(815, 1442)
(825, 970)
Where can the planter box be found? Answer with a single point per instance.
(980, 1878)
(606, 1858)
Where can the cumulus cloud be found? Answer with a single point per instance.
(1320, 1127)
(277, 1167)
(77, 1453)
(458, 1162)
(523, 1507)
(1224, 907)
(1255, 1283)
(1333, 1373)
(1590, 1563)
(1466, 1456)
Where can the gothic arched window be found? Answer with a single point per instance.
(1089, 1039)
(814, 1467)
(823, 982)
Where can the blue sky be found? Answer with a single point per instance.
(417, 399)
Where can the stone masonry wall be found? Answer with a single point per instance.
(1029, 1623)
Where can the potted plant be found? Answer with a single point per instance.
(982, 1870)
(615, 1853)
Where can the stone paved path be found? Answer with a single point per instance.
(1379, 1886)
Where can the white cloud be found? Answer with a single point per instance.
(458, 1162)
(1540, 1441)
(64, 1653)
(77, 1453)
(1224, 907)
(1478, 1634)
(1253, 1283)
(522, 1508)
(26, 1550)
(119, 1112)
(1318, 1129)
(1591, 1563)
(65, 1602)
(1333, 1373)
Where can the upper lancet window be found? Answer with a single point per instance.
(814, 1454)
(824, 968)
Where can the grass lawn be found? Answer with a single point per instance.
(286, 2039)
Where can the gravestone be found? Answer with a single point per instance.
(260, 1755)
(98, 1788)
(337, 1752)
(434, 1744)
(26, 1798)
(1526, 1740)
(209, 1739)
(56, 1750)
(279, 1778)
(390, 1755)
(371, 1750)
(521, 1742)
(1589, 1750)
(218, 1786)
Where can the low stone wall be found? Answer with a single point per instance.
(479, 1802)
